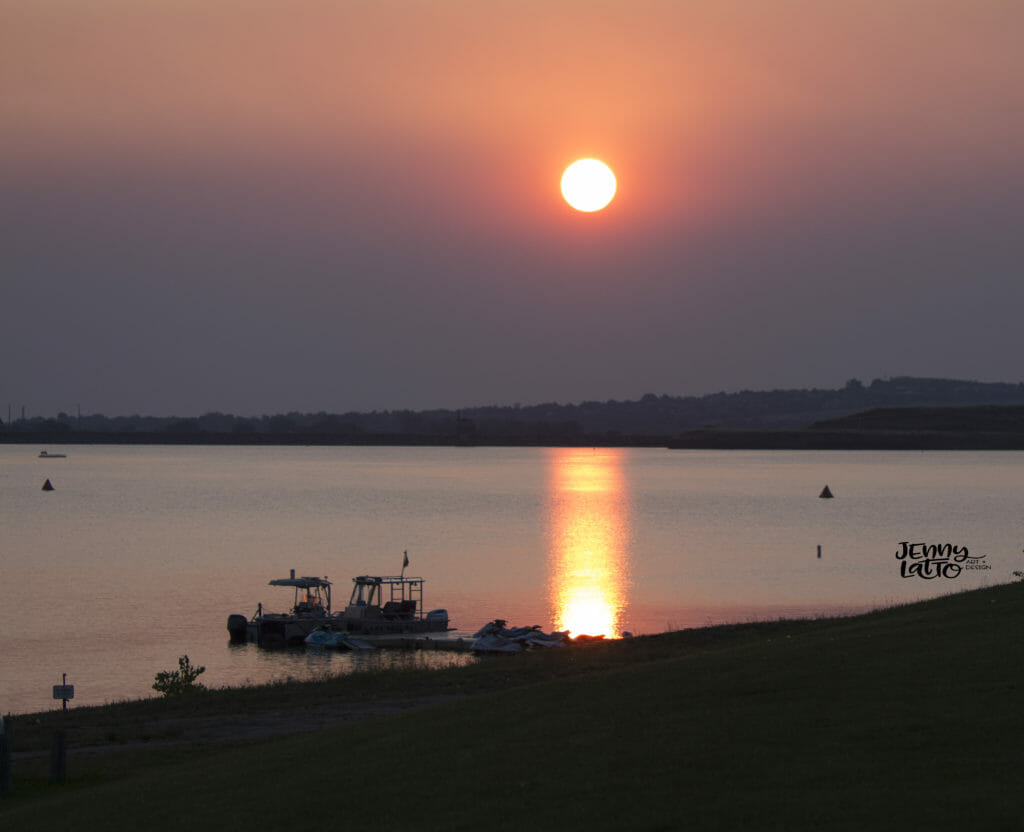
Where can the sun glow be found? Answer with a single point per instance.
(588, 537)
(588, 185)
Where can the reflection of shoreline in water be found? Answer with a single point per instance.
(588, 530)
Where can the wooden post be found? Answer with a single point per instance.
(5, 757)
(58, 757)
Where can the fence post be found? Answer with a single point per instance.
(5, 757)
(58, 757)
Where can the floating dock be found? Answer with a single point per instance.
(452, 644)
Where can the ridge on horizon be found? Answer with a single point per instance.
(651, 415)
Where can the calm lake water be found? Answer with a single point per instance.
(140, 553)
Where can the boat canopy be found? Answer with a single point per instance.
(368, 590)
(315, 598)
(302, 583)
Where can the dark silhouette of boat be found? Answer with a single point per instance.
(379, 605)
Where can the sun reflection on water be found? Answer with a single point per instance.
(588, 538)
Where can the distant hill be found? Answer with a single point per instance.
(669, 415)
(966, 418)
(964, 427)
(653, 419)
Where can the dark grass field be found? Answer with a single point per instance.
(908, 718)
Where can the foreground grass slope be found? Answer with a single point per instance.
(909, 718)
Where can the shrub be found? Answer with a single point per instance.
(181, 681)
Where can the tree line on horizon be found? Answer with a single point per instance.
(651, 416)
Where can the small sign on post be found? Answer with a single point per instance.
(64, 691)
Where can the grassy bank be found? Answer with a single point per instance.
(909, 718)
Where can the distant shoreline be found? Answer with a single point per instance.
(809, 439)
(813, 439)
(314, 440)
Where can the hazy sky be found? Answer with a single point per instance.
(257, 206)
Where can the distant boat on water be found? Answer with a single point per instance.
(48, 455)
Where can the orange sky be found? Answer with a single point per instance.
(411, 123)
(694, 104)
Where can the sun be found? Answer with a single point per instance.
(588, 185)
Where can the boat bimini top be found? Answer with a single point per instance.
(316, 599)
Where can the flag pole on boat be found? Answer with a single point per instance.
(405, 561)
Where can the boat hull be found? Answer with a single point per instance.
(291, 630)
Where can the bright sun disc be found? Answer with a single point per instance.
(588, 185)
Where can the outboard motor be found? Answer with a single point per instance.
(237, 625)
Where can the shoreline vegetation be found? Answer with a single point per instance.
(904, 429)
(907, 717)
(901, 413)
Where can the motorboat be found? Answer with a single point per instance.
(379, 605)
(390, 604)
(310, 609)
(48, 455)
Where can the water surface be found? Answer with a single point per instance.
(140, 553)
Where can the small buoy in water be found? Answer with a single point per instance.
(825, 493)
(47, 486)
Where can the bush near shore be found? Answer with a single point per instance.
(906, 718)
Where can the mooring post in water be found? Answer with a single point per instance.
(5, 757)
(819, 551)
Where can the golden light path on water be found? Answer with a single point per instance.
(588, 536)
